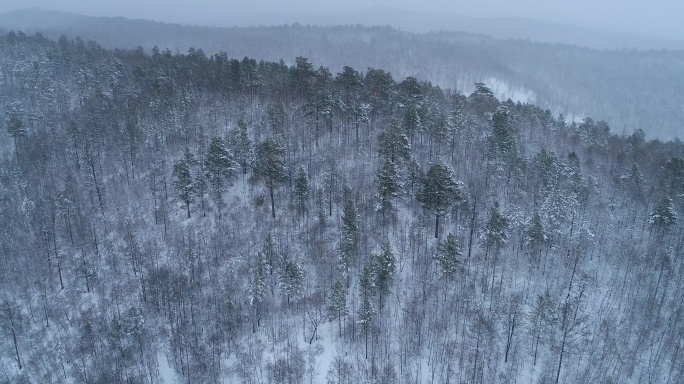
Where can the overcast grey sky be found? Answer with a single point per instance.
(649, 17)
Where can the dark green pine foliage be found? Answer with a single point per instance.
(389, 185)
(496, 230)
(394, 144)
(13, 122)
(674, 174)
(350, 232)
(440, 191)
(664, 214)
(636, 183)
(349, 80)
(219, 168)
(13, 323)
(502, 145)
(183, 181)
(319, 107)
(380, 92)
(577, 184)
(270, 254)
(337, 302)
(241, 146)
(448, 256)
(535, 236)
(549, 170)
(291, 280)
(411, 121)
(257, 286)
(366, 310)
(269, 166)
(384, 268)
(301, 190)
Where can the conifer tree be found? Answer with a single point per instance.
(242, 146)
(502, 145)
(270, 166)
(301, 189)
(674, 175)
(183, 180)
(350, 232)
(389, 185)
(636, 182)
(535, 235)
(384, 267)
(366, 310)
(337, 302)
(440, 191)
(496, 230)
(448, 256)
(273, 262)
(664, 214)
(12, 323)
(13, 122)
(393, 144)
(257, 287)
(218, 168)
(291, 280)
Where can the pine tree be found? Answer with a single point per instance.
(350, 82)
(502, 145)
(13, 122)
(337, 302)
(257, 287)
(389, 185)
(542, 319)
(291, 280)
(218, 168)
(674, 175)
(183, 180)
(242, 146)
(664, 214)
(535, 235)
(448, 256)
(440, 191)
(270, 166)
(384, 267)
(393, 144)
(350, 232)
(273, 262)
(636, 182)
(577, 184)
(496, 230)
(366, 310)
(301, 189)
(12, 323)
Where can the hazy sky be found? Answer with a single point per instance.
(649, 17)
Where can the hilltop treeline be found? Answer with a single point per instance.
(240, 220)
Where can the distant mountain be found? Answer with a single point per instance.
(629, 89)
(417, 22)
(497, 27)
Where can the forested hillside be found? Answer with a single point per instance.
(173, 216)
(629, 89)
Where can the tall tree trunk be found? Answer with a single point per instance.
(14, 337)
(270, 188)
(472, 228)
(437, 227)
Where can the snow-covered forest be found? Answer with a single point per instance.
(178, 217)
(630, 89)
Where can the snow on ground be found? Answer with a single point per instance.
(503, 91)
(167, 374)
